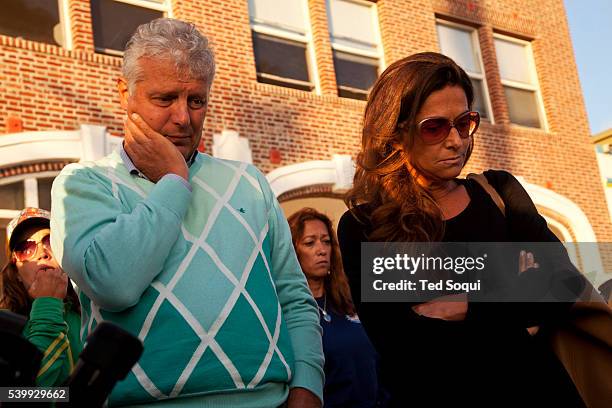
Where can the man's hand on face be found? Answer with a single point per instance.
(152, 154)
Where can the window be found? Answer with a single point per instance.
(282, 43)
(114, 21)
(518, 76)
(32, 190)
(37, 20)
(355, 45)
(461, 44)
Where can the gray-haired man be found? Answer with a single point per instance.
(188, 252)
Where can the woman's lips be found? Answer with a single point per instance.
(452, 160)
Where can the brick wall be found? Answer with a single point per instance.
(51, 88)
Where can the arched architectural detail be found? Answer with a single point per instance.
(20, 151)
(562, 213)
(337, 173)
(315, 190)
(38, 167)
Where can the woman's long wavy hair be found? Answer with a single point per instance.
(336, 284)
(14, 296)
(399, 208)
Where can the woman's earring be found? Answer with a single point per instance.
(329, 272)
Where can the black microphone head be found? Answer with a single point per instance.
(19, 359)
(12, 322)
(112, 349)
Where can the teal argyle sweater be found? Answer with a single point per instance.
(207, 279)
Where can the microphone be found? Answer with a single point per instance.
(19, 359)
(108, 357)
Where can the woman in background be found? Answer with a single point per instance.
(34, 285)
(351, 378)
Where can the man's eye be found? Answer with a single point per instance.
(197, 103)
(163, 100)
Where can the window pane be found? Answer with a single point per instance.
(522, 107)
(355, 71)
(457, 44)
(512, 59)
(114, 22)
(279, 57)
(351, 94)
(352, 24)
(12, 196)
(479, 104)
(44, 192)
(30, 19)
(287, 14)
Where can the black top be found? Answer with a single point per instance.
(489, 359)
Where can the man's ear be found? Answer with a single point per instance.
(124, 93)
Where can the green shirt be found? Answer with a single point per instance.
(54, 329)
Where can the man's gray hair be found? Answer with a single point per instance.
(167, 38)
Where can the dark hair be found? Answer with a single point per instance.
(336, 284)
(399, 208)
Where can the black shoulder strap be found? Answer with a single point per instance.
(481, 179)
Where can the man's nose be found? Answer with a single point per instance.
(180, 113)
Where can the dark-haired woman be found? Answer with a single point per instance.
(34, 285)
(350, 359)
(418, 135)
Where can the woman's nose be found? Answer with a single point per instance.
(45, 253)
(453, 138)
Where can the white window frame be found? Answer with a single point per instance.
(64, 15)
(473, 32)
(30, 193)
(535, 84)
(64, 22)
(163, 6)
(30, 190)
(306, 38)
(378, 54)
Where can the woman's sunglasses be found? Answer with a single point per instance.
(434, 130)
(25, 250)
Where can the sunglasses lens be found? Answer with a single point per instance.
(25, 250)
(435, 129)
(464, 126)
(46, 241)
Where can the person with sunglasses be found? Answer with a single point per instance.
(32, 284)
(418, 134)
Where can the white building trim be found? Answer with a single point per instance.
(90, 142)
(579, 224)
(339, 171)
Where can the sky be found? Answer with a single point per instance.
(590, 23)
